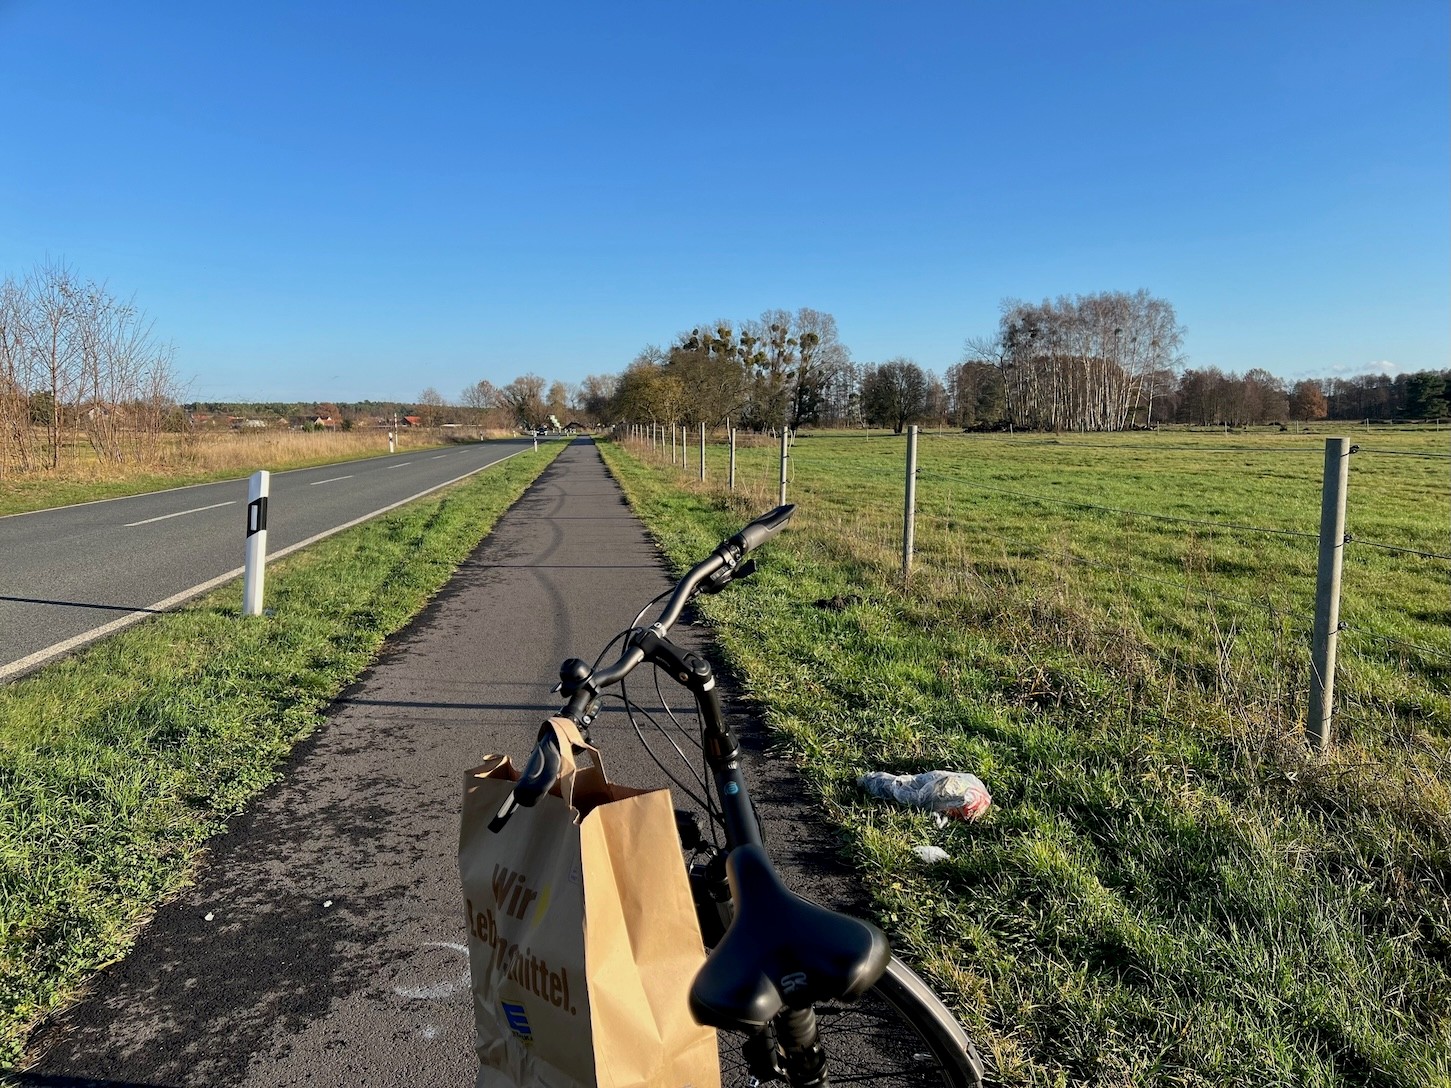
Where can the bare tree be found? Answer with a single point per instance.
(819, 352)
(593, 395)
(15, 361)
(481, 396)
(432, 404)
(1082, 362)
(71, 353)
(56, 349)
(523, 399)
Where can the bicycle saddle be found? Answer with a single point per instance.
(781, 951)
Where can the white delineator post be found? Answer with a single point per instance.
(392, 442)
(702, 453)
(732, 484)
(256, 561)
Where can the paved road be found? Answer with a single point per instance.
(321, 943)
(70, 575)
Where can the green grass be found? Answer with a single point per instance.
(1169, 889)
(117, 764)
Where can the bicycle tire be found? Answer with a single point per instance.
(899, 1034)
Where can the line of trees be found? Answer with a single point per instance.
(784, 369)
(1102, 362)
(530, 402)
(77, 361)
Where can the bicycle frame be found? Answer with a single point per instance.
(722, 751)
(582, 684)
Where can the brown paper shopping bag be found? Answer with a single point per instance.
(583, 940)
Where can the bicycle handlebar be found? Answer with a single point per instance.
(762, 529)
(580, 684)
(711, 574)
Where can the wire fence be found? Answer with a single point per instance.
(1201, 556)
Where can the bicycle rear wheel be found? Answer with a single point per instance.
(898, 1034)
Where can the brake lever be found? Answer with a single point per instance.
(540, 774)
(726, 575)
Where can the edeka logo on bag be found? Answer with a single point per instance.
(513, 898)
(518, 1021)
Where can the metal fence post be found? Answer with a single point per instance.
(909, 511)
(732, 484)
(254, 568)
(1327, 591)
(785, 432)
(702, 453)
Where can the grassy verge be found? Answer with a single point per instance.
(117, 764)
(1168, 890)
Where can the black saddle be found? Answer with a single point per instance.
(781, 951)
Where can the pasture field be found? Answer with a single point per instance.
(117, 764)
(1113, 632)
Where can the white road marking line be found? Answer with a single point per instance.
(197, 510)
(400, 464)
(439, 457)
(334, 480)
(40, 657)
(183, 487)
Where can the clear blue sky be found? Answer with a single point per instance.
(357, 200)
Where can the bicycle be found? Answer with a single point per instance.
(784, 972)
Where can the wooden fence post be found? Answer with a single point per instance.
(909, 512)
(785, 432)
(1327, 592)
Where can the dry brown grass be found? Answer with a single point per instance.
(242, 450)
(178, 459)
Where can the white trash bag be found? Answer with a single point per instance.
(948, 795)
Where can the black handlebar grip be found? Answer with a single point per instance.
(763, 528)
(540, 773)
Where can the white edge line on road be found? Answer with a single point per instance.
(163, 517)
(41, 657)
(233, 480)
(334, 480)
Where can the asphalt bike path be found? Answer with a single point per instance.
(323, 943)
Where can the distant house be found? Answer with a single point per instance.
(411, 421)
(326, 423)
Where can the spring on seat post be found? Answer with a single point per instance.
(801, 1042)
